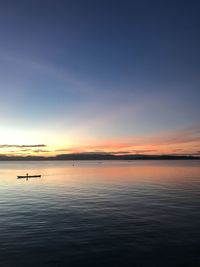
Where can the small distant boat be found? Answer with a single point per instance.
(28, 176)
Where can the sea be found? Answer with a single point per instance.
(100, 213)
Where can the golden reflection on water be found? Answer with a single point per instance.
(107, 172)
(130, 173)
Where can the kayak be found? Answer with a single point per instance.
(28, 176)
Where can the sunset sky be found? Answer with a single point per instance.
(99, 76)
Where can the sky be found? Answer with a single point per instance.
(99, 76)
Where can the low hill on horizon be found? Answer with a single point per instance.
(101, 156)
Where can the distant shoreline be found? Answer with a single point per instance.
(94, 156)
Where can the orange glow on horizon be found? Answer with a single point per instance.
(182, 142)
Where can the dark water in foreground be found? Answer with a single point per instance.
(142, 213)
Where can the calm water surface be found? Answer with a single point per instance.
(140, 213)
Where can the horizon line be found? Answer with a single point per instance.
(99, 156)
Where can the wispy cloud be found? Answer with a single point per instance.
(38, 66)
(22, 146)
(184, 141)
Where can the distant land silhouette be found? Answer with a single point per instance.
(101, 156)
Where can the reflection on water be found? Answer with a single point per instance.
(110, 213)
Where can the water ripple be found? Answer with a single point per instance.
(109, 214)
